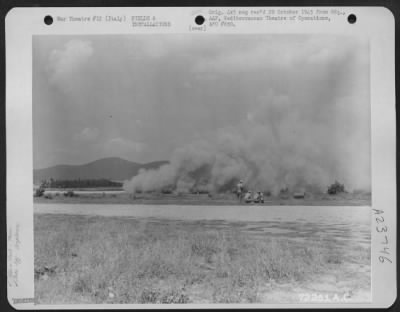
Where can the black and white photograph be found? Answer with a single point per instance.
(226, 168)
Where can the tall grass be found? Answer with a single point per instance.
(111, 260)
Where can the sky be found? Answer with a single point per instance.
(143, 97)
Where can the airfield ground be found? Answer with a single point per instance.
(120, 197)
(94, 259)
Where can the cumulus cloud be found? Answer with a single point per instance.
(276, 53)
(87, 135)
(122, 147)
(65, 64)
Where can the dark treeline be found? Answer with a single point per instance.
(79, 183)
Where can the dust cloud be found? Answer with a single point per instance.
(285, 142)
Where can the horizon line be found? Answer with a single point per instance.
(111, 157)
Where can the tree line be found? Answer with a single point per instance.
(79, 183)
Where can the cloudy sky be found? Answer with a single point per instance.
(142, 97)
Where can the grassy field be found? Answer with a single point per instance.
(345, 199)
(92, 259)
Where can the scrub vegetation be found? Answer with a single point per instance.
(93, 259)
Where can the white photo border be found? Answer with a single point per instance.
(377, 23)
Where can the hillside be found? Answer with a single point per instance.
(113, 168)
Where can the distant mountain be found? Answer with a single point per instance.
(113, 168)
